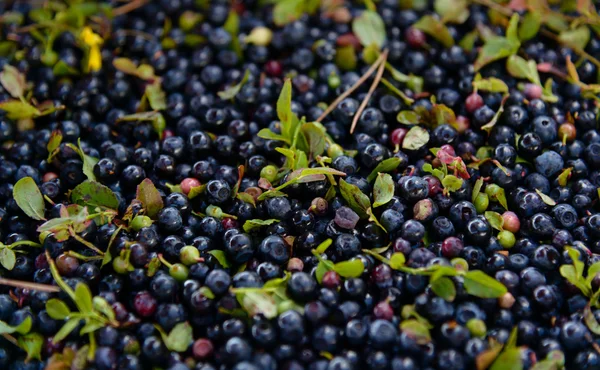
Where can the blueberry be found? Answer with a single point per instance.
(549, 163)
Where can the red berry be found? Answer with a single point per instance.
(398, 135)
(473, 102)
(273, 68)
(511, 221)
(188, 183)
(167, 133)
(202, 349)
(462, 124)
(383, 311)
(144, 304)
(435, 186)
(449, 149)
(331, 280)
(415, 37)
(451, 247)
(229, 223)
(49, 176)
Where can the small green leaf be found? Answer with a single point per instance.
(66, 329)
(479, 284)
(436, 29)
(83, 298)
(408, 117)
(221, 257)
(316, 138)
(150, 198)
(232, 26)
(383, 190)
(251, 225)
(468, 41)
(570, 273)
(454, 11)
(287, 118)
(88, 161)
(180, 337)
(530, 25)
(576, 38)
(521, 68)
(452, 183)
(287, 11)
(53, 144)
(590, 320)
(32, 345)
(16, 109)
(321, 248)
(232, 91)
(22, 328)
(444, 288)
(156, 96)
(509, 359)
(498, 47)
(564, 176)
(257, 302)
(387, 165)
(13, 81)
(434, 171)
(57, 309)
(94, 194)
(29, 198)
(546, 199)
(491, 84)
(91, 326)
(62, 69)
(8, 258)
(415, 138)
(369, 28)
(349, 269)
(397, 261)
(416, 330)
(101, 305)
(356, 200)
(476, 189)
(322, 268)
(495, 219)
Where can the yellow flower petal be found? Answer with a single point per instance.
(95, 58)
(90, 38)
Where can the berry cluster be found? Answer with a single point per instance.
(299, 184)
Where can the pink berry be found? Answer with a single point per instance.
(229, 223)
(188, 183)
(449, 149)
(473, 102)
(511, 221)
(384, 311)
(451, 247)
(167, 134)
(144, 304)
(331, 280)
(49, 176)
(202, 349)
(533, 91)
(462, 124)
(435, 186)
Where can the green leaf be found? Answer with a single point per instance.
(387, 165)
(29, 198)
(570, 273)
(8, 258)
(221, 257)
(530, 25)
(150, 198)
(491, 84)
(476, 189)
(32, 345)
(444, 288)
(13, 81)
(286, 11)
(564, 176)
(91, 326)
(577, 263)
(232, 91)
(88, 161)
(452, 183)
(369, 29)
(156, 96)
(436, 29)
(590, 320)
(180, 337)
(415, 138)
(408, 117)
(83, 298)
(316, 138)
(232, 26)
(495, 219)
(267, 134)
(416, 330)
(434, 171)
(57, 309)
(498, 47)
(53, 144)
(321, 248)
(453, 11)
(509, 359)
(383, 190)
(284, 111)
(101, 305)
(397, 261)
(576, 38)
(257, 302)
(94, 194)
(251, 225)
(468, 41)
(546, 199)
(62, 69)
(349, 269)
(479, 284)
(521, 68)
(66, 329)
(356, 200)
(322, 268)
(16, 109)
(22, 328)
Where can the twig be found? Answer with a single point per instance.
(374, 84)
(356, 85)
(29, 285)
(129, 7)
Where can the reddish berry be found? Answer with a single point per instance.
(568, 130)
(473, 102)
(398, 135)
(202, 349)
(167, 133)
(462, 124)
(415, 37)
(331, 280)
(295, 265)
(434, 184)
(49, 176)
(511, 221)
(229, 223)
(533, 91)
(449, 149)
(188, 183)
(451, 247)
(144, 304)
(273, 68)
(383, 311)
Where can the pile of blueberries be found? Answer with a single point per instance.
(181, 188)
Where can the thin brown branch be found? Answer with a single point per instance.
(29, 285)
(129, 7)
(374, 84)
(356, 85)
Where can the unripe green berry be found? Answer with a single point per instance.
(269, 172)
(140, 222)
(335, 151)
(506, 239)
(482, 201)
(189, 255)
(477, 327)
(179, 272)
